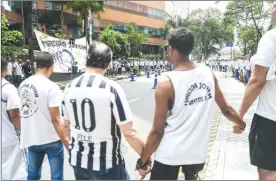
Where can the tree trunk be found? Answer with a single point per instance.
(85, 21)
(61, 20)
(28, 28)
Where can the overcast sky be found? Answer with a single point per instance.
(206, 4)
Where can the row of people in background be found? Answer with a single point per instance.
(240, 67)
(118, 67)
(19, 70)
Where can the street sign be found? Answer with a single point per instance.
(229, 44)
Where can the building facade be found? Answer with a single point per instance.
(150, 17)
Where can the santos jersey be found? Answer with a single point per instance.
(95, 107)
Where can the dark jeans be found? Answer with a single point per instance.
(55, 153)
(17, 81)
(118, 172)
(247, 76)
(237, 74)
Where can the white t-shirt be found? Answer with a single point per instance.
(247, 65)
(9, 100)
(266, 57)
(17, 67)
(9, 69)
(237, 64)
(186, 135)
(37, 95)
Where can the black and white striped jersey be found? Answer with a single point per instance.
(95, 107)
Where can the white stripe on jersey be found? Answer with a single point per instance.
(95, 107)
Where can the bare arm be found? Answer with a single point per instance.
(55, 117)
(227, 110)
(253, 88)
(15, 117)
(67, 128)
(132, 137)
(163, 93)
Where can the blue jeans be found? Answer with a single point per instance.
(55, 153)
(237, 74)
(118, 172)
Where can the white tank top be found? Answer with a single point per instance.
(186, 136)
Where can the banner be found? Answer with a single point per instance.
(64, 55)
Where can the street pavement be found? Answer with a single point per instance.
(228, 154)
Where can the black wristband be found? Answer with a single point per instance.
(142, 165)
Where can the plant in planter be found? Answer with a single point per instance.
(135, 70)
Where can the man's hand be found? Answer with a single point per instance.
(144, 172)
(237, 129)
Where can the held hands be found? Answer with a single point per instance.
(143, 168)
(239, 128)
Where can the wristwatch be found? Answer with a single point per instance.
(141, 165)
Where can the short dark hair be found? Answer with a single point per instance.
(181, 39)
(4, 63)
(99, 55)
(44, 60)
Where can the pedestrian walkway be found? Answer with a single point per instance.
(229, 155)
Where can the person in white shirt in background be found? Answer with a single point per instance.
(41, 125)
(17, 72)
(14, 161)
(237, 69)
(247, 69)
(9, 73)
(262, 136)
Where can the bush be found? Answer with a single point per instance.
(135, 70)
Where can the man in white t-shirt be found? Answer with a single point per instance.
(41, 126)
(14, 161)
(17, 72)
(9, 73)
(262, 136)
(237, 69)
(184, 102)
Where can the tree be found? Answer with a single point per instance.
(251, 20)
(28, 28)
(116, 40)
(209, 33)
(9, 38)
(135, 38)
(84, 8)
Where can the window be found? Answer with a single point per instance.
(48, 5)
(55, 6)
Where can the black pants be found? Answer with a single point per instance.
(161, 171)
(18, 80)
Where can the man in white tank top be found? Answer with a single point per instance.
(184, 101)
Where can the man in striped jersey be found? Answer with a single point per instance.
(97, 111)
(14, 166)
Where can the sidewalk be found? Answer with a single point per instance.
(229, 153)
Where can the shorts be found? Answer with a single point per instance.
(14, 163)
(161, 171)
(262, 143)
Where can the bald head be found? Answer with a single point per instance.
(99, 55)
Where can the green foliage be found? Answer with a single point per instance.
(83, 8)
(116, 40)
(135, 38)
(135, 70)
(60, 36)
(209, 33)
(250, 18)
(9, 38)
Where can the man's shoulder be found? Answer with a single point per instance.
(270, 35)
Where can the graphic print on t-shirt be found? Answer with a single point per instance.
(193, 89)
(29, 96)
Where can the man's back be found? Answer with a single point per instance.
(188, 122)
(9, 101)
(37, 94)
(95, 107)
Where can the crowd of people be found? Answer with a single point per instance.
(121, 67)
(90, 116)
(241, 67)
(19, 70)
